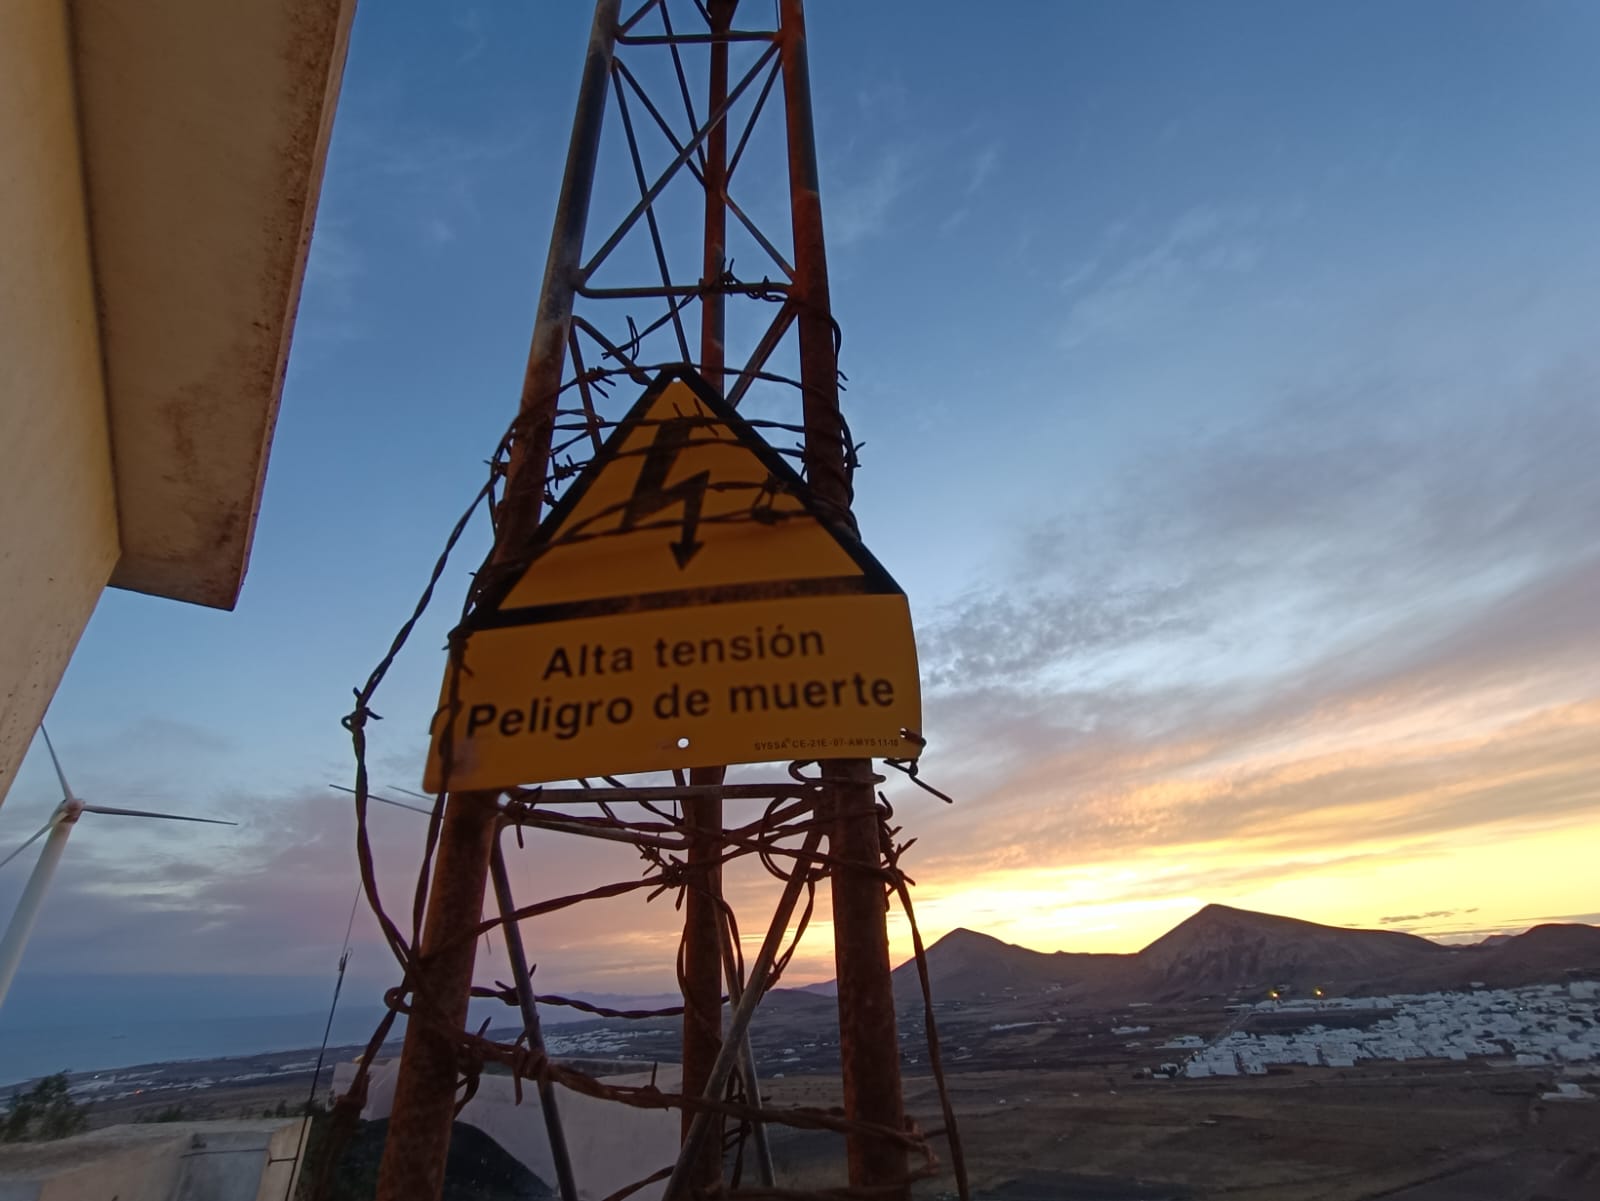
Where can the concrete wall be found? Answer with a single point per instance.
(179, 1161)
(58, 518)
(94, 1167)
(240, 1161)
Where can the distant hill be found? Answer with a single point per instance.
(799, 1002)
(965, 964)
(1221, 951)
(1539, 950)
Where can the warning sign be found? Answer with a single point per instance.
(685, 606)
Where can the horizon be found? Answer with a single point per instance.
(65, 1000)
(1229, 425)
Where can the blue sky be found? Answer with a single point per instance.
(1228, 386)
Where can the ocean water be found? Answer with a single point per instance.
(93, 1022)
(27, 1051)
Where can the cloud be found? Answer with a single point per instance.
(983, 166)
(987, 638)
(1149, 287)
(438, 231)
(884, 102)
(981, 169)
(859, 206)
(273, 898)
(1363, 619)
(1348, 631)
(334, 264)
(470, 23)
(1405, 918)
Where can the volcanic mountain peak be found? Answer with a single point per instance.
(1221, 947)
(961, 934)
(1225, 922)
(964, 941)
(1565, 934)
(1224, 951)
(1214, 919)
(1566, 944)
(966, 963)
(965, 951)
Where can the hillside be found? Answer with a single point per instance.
(1543, 953)
(1221, 951)
(965, 964)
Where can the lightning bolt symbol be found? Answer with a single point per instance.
(650, 495)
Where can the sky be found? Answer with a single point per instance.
(1227, 381)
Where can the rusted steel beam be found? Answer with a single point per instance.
(824, 428)
(694, 143)
(702, 910)
(517, 957)
(541, 383)
(668, 792)
(424, 1098)
(869, 1046)
(702, 966)
(766, 1172)
(693, 39)
(713, 304)
(739, 1024)
(424, 1101)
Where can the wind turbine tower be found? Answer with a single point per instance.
(59, 828)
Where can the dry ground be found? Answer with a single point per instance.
(1318, 1135)
(1419, 1132)
(201, 1105)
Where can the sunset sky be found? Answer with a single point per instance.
(1228, 381)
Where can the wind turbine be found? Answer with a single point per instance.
(59, 828)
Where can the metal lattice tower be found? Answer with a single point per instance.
(693, 125)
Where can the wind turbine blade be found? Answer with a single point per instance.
(66, 789)
(171, 817)
(43, 830)
(421, 796)
(372, 796)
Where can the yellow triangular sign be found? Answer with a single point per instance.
(685, 605)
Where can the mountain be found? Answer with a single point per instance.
(1554, 947)
(964, 965)
(1221, 951)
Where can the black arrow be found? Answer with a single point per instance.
(650, 495)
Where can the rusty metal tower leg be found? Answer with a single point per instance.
(517, 957)
(702, 917)
(702, 962)
(869, 1045)
(425, 1093)
(714, 303)
(424, 1100)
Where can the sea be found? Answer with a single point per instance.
(98, 1022)
(27, 1051)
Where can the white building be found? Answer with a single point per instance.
(1545, 1025)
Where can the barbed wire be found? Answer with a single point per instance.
(661, 840)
